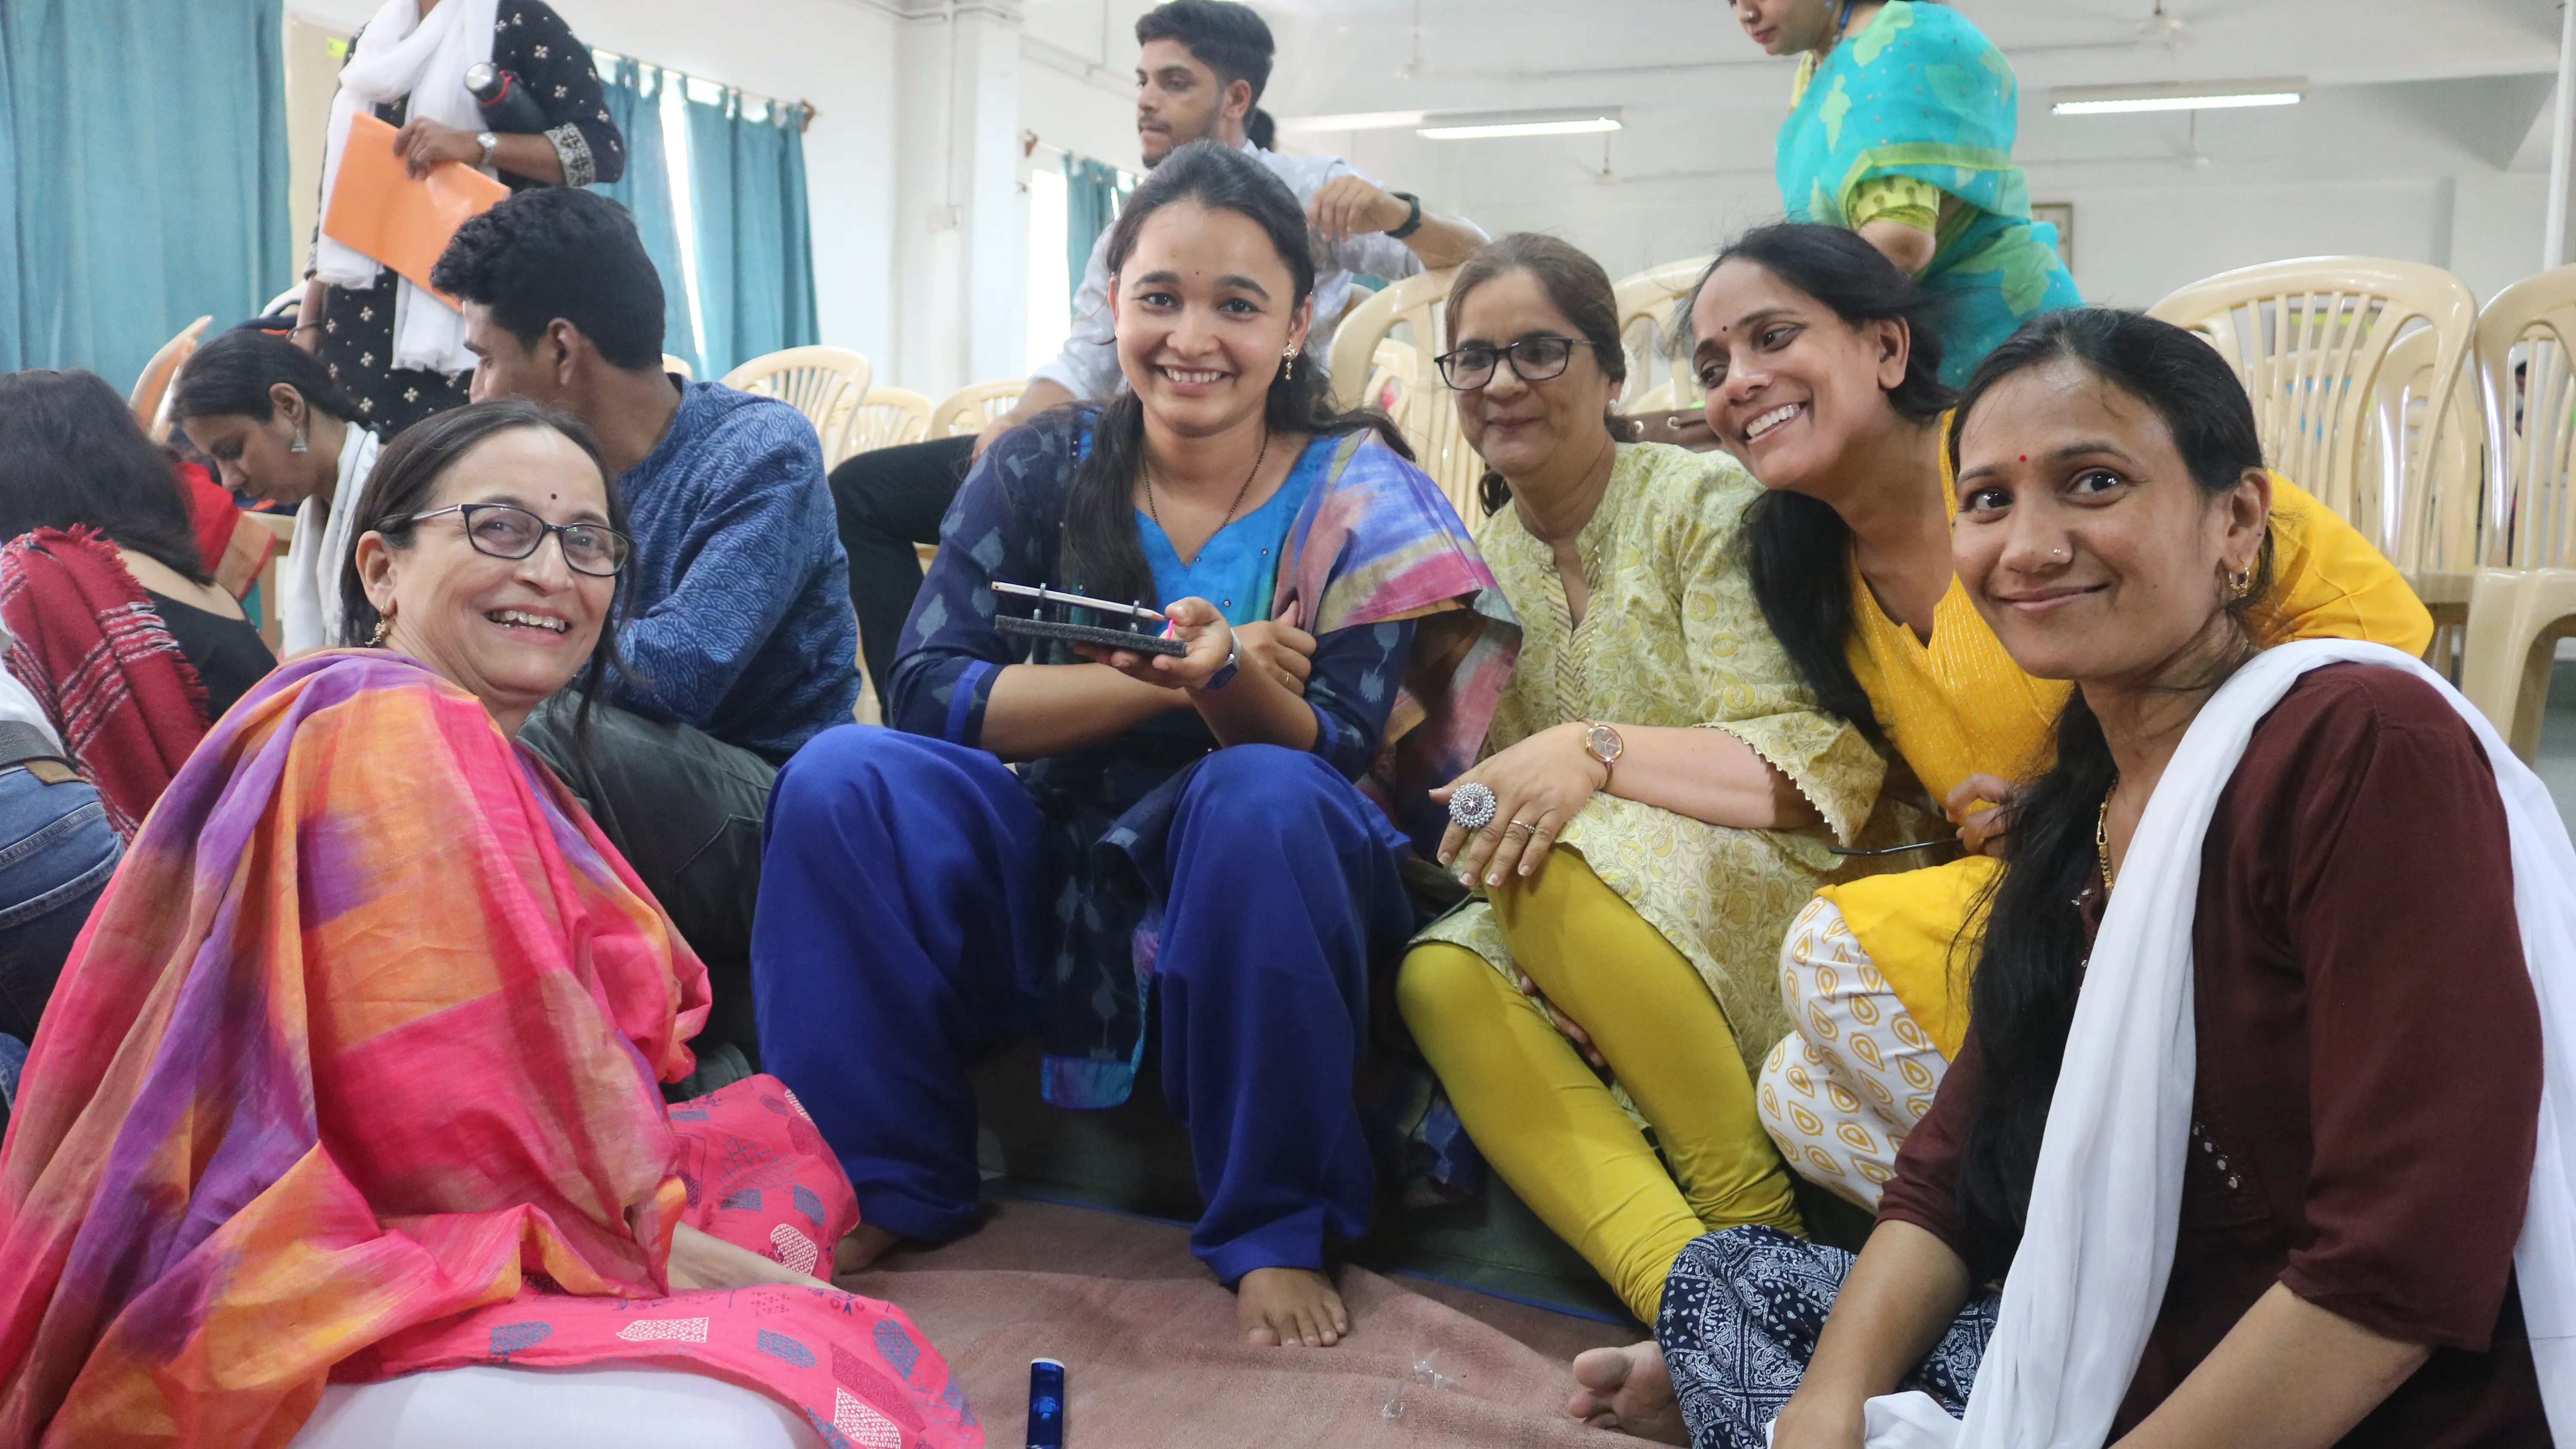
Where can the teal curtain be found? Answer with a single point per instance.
(1090, 204)
(754, 242)
(146, 175)
(13, 347)
(635, 104)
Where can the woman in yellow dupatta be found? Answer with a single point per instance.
(1823, 378)
(354, 1072)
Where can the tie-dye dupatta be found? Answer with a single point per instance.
(347, 1045)
(1377, 542)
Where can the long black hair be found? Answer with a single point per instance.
(233, 374)
(2032, 961)
(71, 453)
(1102, 555)
(406, 479)
(1575, 285)
(1798, 546)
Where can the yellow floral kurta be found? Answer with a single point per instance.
(1671, 637)
(1959, 705)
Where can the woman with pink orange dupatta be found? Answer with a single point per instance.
(346, 1112)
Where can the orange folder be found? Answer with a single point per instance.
(382, 213)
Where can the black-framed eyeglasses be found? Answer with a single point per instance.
(1533, 359)
(505, 530)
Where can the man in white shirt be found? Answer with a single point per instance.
(1203, 67)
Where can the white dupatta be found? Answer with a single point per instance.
(2090, 1274)
(308, 611)
(403, 53)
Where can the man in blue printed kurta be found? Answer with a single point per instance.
(737, 644)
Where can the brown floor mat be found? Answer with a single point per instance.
(1147, 1339)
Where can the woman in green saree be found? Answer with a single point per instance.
(1901, 128)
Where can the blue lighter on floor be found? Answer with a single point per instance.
(1046, 1404)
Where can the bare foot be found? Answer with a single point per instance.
(859, 1250)
(1294, 1307)
(1628, 1389)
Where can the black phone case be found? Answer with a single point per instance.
(1090, 634)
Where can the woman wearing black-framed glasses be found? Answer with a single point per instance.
(505, 530)
(1639, 825)
(1539, 357)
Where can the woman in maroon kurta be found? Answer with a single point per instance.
(2367, 1041)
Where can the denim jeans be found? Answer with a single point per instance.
(56, 852)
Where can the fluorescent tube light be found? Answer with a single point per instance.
(2176, 96)
(1489, 125)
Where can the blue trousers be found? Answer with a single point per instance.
(902, 933)
(56, 854)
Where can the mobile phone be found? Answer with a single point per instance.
(1046, 1404)
(1133, 637)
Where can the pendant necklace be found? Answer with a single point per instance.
(1239, 495)
(2102, 837)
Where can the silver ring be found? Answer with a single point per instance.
(1472, 806)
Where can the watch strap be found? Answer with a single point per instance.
(490, 143)
(1413, 221)
(1225, 672)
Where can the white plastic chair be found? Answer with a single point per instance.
(1395, 380)
(673, 362)
(2516, 617)
(823, 383)
(2526, 358)
(1431, 422)
(2309, 339)
(2428, 455)
(887, 417)
(1648, 331)
(963, 413)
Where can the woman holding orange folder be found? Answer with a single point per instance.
(397, 350)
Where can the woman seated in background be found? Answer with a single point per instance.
(280, 430)
(114, 622)
(2212, 1127)
(371, 1022)
(1900, 127)
(1823, 379)
(1187, 841)
(1641, 826)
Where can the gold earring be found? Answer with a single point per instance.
(384, 627)
(1288, 356)
(2240, 584)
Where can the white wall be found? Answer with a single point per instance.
(2146, 220)
(835, 54)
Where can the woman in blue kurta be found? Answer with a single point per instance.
(1194, 845)
(1901, 128)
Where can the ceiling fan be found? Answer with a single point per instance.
(2162, 28)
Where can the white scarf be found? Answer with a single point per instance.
(2082, 1297)
(401, 53)
(309, 614)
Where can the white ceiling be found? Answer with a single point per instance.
(2398, 87)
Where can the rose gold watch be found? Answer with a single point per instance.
(1602, 743)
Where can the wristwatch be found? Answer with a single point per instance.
(1602, 743)
(1412, 222)
(489, 143)
(1224, 672)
